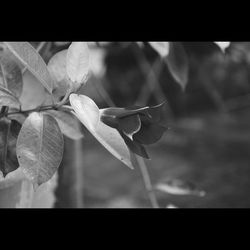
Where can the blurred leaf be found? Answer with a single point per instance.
(179, 187)
(40, 148)
(11, 75)
(177, 62)
(61, 43)
(9, 131)
(97, 65)
(69, 125)
(33, 61)
(140, 44)
(223, 45)
(162, 48)
(77, 63)
(57, 69)
(8, 99)
(88, 113)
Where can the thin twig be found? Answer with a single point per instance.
(40, 109)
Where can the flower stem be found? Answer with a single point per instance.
(147, 182)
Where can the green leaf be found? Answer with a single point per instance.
(57, 69)
(177, 62)
(9, 131)
(40, 147)
(31, 59)
(88, 113)
(11, 75)
(69, 125)
(77, 63)
(8, 99)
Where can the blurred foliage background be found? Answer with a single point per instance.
(208, 143)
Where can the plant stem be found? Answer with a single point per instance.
(78, 169)
(147, 182)
(40, 109)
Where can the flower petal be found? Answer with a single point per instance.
(149, 133)
(135, 147)
(130, 125)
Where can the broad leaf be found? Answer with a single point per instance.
(11, 75)
(57, 69)
(39, 147)
(177, 62)
(88, 113)
(162, 48)
(33, 94)
(69, 125)
(9, 131)
(77, 63)
(8, 99)
(29, 57)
